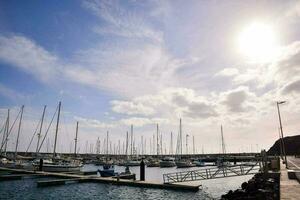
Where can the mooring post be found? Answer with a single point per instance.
(41, 165)
(142, 170)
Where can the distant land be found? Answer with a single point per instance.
(292, 146)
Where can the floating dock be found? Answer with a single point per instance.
(65, 178)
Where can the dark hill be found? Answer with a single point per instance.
(292, 146)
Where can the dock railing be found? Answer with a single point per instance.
(212, 173)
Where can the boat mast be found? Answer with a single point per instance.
(19, 129)
(142, 145)
(40, 131)
(56, 131)
(98, 146)
(106, 144)
(4, 134)
(193, 145)
(48, 145)
(7, 132)
(171, 145)
(150, 145)
(157, 139)
(76, 137)
(119, 147)
(126, 149)
(186, 144)
(180, 135)
(223, 143)
(161, 145)
(131, 137)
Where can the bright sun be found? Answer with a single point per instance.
(258, 42)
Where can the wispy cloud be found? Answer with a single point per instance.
(121, 21)
(12, 94)
(25, 54)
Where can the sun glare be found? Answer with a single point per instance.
(258, 42)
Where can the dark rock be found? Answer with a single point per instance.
(258, 187)
(244, 185)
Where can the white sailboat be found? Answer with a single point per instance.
(167, 162)
(182, 163)
(133, 161)
(220, 161)
(55, 164)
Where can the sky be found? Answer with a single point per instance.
(117, 63)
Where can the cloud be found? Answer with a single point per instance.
(287, 65)
(25, 54)
(12, 94)
(92, 123)
(200, 110)
(142, 121)
(238, 100)
(121, 21)
(182, 101)
(133, 71)
(228, 72)
(293, 86)
(131, 108)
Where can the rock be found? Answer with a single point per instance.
(244, 185)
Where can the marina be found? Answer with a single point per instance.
(149, 100)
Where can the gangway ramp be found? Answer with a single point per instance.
(212, 173)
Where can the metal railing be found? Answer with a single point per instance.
(212, 173)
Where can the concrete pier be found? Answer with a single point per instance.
(289, 180)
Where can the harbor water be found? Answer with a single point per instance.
(27, 188)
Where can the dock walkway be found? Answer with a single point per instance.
(289, 188)
(78, 178)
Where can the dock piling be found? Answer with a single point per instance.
(142, 170)
(41, 165)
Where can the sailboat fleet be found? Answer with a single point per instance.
(54, 164)
(73, 163)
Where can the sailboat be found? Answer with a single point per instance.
(108, 169)
(220, 161)
(182, 163)
(167, 162)
(15, 161)
(133, 160)
(55, 164)
(152, 162)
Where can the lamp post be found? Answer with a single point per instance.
(283, 146)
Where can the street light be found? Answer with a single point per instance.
(283, 146)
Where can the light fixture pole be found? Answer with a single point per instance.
(283, 146)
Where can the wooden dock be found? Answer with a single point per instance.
(65, 178)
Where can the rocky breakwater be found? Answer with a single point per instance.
(261, 186)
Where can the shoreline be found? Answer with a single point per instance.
(260, 186)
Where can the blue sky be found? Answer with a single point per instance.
(116, 63)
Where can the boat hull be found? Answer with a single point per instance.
(184, 164)
(60, 168)
(107, 173)
(164, 164)
(132, 163)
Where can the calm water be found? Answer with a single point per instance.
(27, 189)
